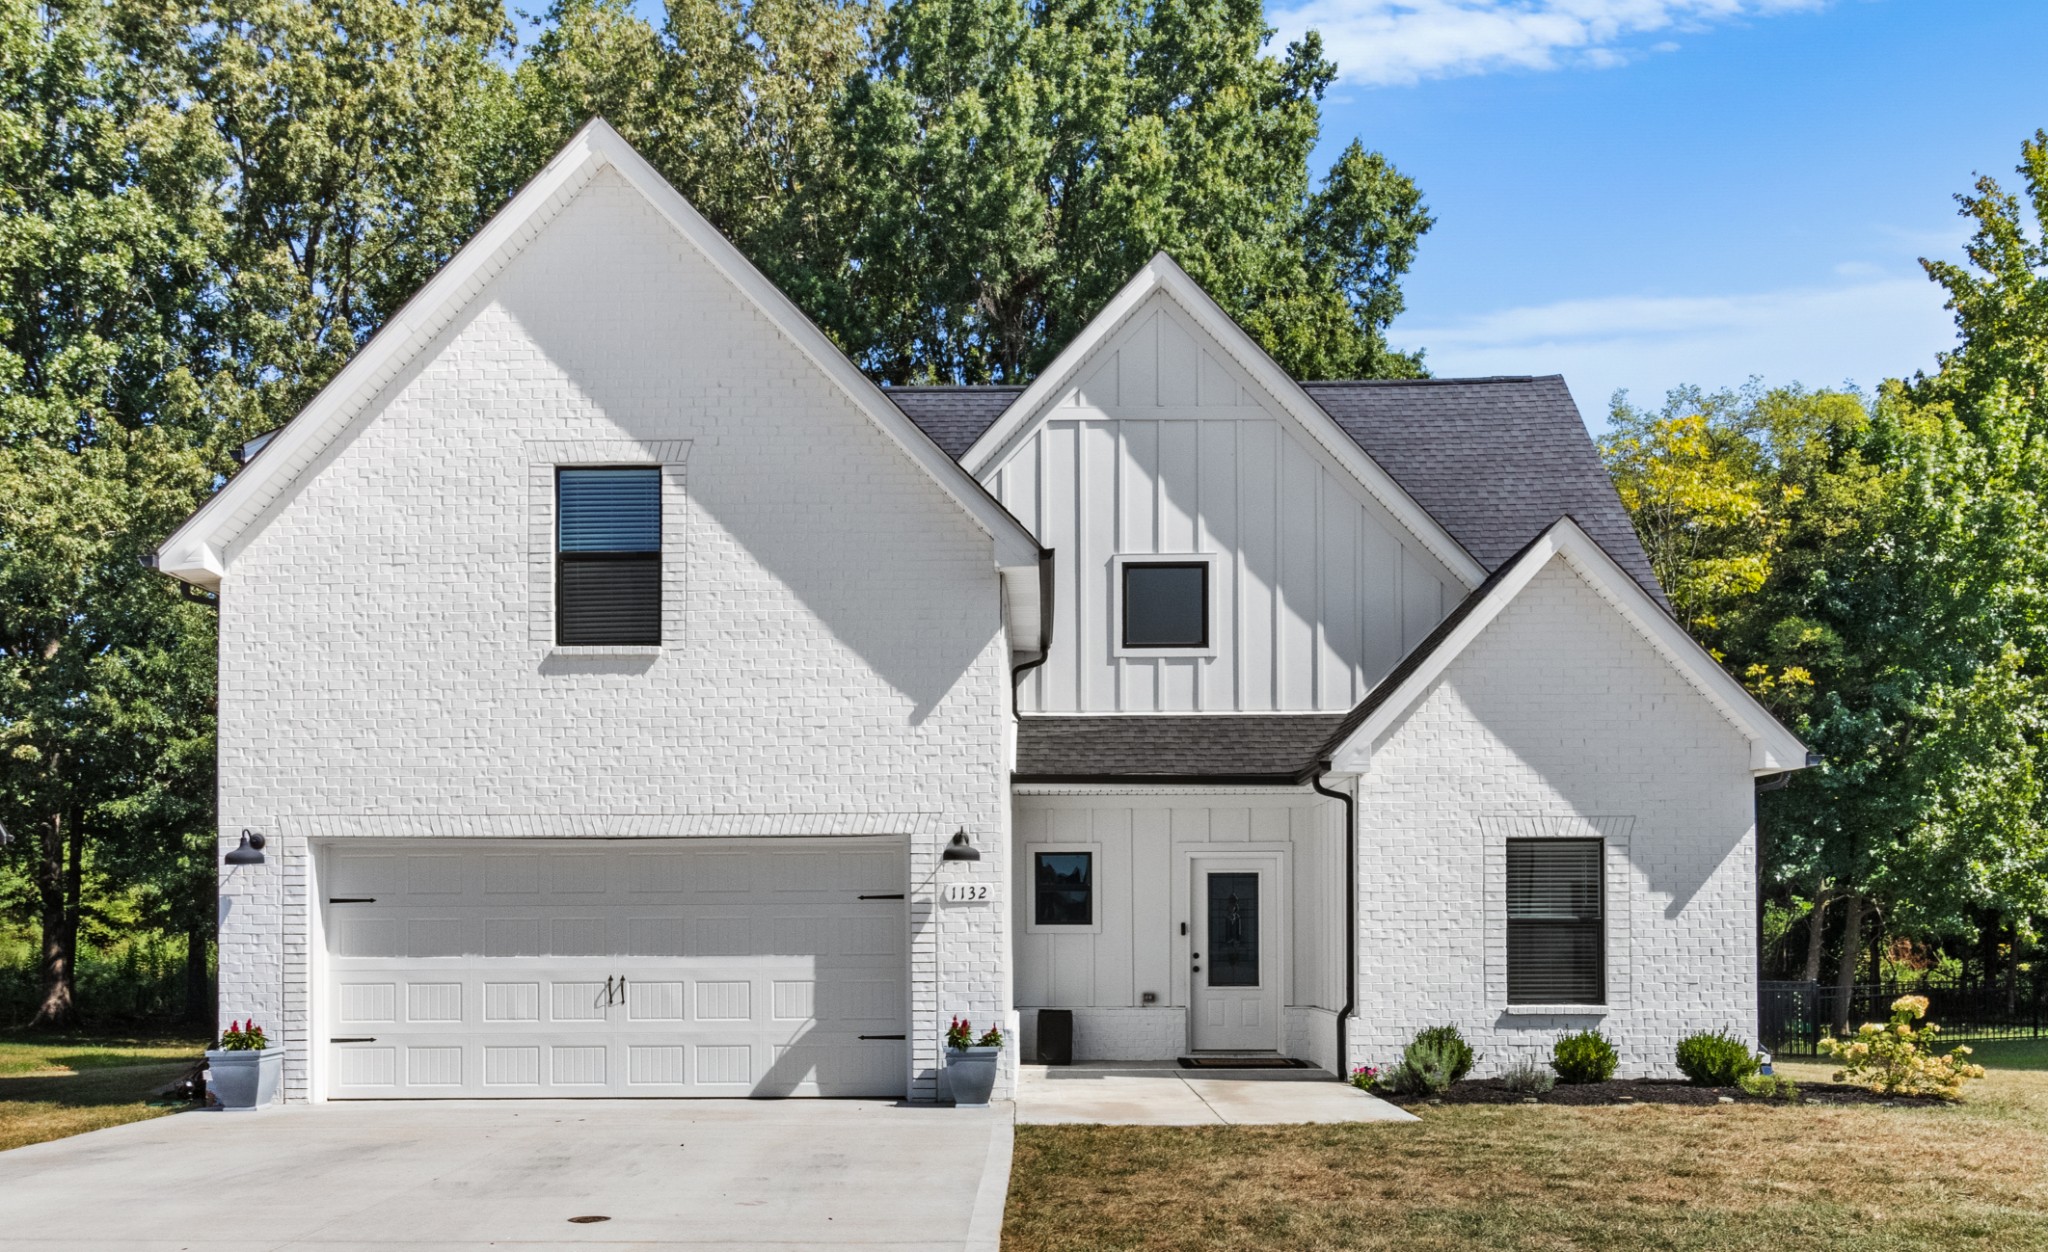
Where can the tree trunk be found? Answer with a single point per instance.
(2012, 972)
(1852, 952)
(1876, 944)
(199, 1004)
(1816, 925)
(57, 892)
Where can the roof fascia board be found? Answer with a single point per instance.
(1773, 748)
(1162, 274)
(194, 551)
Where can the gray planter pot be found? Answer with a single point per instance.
(972, 1075)
(244, 1080)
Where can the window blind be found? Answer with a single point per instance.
(1556, 936)
(608, 556)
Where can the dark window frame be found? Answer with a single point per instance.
(1550, 934)
(1039, 920)
(1124, 605)
(569, 563)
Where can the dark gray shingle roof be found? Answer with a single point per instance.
(1211, 747)
(1494, 460)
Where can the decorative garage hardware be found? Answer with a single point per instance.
(249, 851)
(351, 899)
(968, 893)
(608, 990)
(593, 1217)
(885, 1036)
(961, 848)
(354, 1039)
(896, 896)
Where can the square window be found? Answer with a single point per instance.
(1063, 888)
(1166, 604)
(607, 556)
(1556, 935)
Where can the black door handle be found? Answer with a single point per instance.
(622, 988)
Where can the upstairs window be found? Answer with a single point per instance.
(607, 556)
(1166, 604)
(1555, 922)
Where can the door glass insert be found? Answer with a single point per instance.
(1233, 957)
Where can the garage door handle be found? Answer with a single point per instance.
(897, 896)
(885, 1036)
(354, 1039)
(351, 899)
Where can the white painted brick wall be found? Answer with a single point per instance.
(839, 666)
(1559, 712)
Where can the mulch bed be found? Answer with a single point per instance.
(1654, 1091)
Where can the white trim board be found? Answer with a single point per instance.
(196, 551)
(1162, 275)
(1773, 748)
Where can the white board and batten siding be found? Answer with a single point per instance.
(1164, 447)
(614, 968)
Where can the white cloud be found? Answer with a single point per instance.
(1821, 336)
(1381, 42)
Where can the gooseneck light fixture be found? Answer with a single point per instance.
(250, 850)
(961, 849)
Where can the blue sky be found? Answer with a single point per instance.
(1643, 193)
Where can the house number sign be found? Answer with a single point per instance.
(968, 893)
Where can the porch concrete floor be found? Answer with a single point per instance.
(1160, 1093)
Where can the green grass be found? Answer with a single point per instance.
(1716, 1179)
(52, 1086)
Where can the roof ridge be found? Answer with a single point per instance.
(1429, 382)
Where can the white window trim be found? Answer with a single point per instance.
(1116, 601)
(543, 458)
(1095, 865)
(1617, 895)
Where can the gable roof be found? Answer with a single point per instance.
(1162, 277)
(1773, 748)
(1495, 460)
(196, 551)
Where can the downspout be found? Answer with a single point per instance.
(1017, 672)
(1350, 916)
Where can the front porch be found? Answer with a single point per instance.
(1161, 1093)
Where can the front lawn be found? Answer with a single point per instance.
(1721, 1177)
(57, 1085)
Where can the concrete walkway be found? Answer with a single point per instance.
(1160, 1093)
(443, 1176)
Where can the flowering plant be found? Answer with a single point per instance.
(240, 1038)
(960, 1036)
(1896, 1058)
(1365, 1076)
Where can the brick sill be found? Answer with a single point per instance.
(606, 650)
(1556, 1010)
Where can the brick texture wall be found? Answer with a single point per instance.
(834, 663)
(1559, 720)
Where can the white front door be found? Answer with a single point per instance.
(615, 968)
(1235, 953)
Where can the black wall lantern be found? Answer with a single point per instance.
(960, 849)
(249, 852)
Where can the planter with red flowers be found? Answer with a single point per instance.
(243, 1071)
(971, 1063)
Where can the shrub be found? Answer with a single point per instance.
(1716, 1060)
(1454, 1048)
(1769, 1086)
(1528, 1077)
(1898, 1059)
(1584, 1057)
(1365, 1077)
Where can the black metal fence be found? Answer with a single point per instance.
(1792, 1016)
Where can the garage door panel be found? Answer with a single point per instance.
(617, 971)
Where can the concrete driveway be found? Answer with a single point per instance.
(451, 1175)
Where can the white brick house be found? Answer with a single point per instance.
(607, 665)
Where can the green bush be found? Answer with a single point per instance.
(1454, 1047)
(1716, 1060)
(1584, 1057)
(1528, 1077)
(1769, 1086)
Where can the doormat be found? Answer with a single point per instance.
(1243, 1062)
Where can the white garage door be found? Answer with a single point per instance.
(615, 968)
